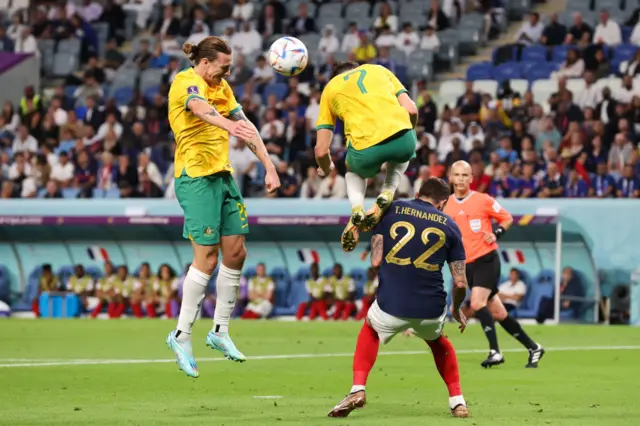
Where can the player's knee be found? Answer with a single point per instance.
(477, 304)
(206, 261)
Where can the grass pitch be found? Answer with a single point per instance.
(82, 372)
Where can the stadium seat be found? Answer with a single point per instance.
(69, 45)
(250, 272)
(64, 273)
(151, 92)
(303, 274)
(150, 78)
(310, 39)
(123, 95)
(559, 53)
(279, 89)
(95, 272)
(398, 55)
(542, 89)
(486, 86)
(626, 33)
(624, 52)
(64, 63)
(356, 10)
(70, 192)
(279, 273)
(545, 276)
(358, 274)
(539, 73)
(297, 294)
(576, 85)
(531, 302)
(337, 22)
(480, 71)
(327, 272)
(30, 293)
(520, 85)
(450, 91)
(534, 54)
(506, 71)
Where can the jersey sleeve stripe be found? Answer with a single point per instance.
(186, 103)
(400, 92)
(235, 110)
(325, 126)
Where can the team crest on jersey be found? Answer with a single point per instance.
(193, 90)
(475, 225)
(208, 232)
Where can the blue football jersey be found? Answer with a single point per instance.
(417, 240)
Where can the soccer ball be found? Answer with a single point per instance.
(288, 56)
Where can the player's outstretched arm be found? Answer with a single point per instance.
(410, 106)
(323, 156)
(205, 112)
(256, 145)
(458, 290)
(376, 251)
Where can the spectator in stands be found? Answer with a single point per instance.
(15, 27)
(6, 44)
(165, 288)
(107, 173)
(629, 184)
(385, 18)
(141, 284)
(504, 184)
(531, 31)
(318, 289)
(430, 40)
(82, 285)
(26, 42)
(481, 181)
(243, 162)
(576, 187)
(569, 288)
(11, 118)
(366, 51)
(20, 182)
(106, 291)
(302, 23)
(242, 10)
(169, 25)
(261, 295)
(627, 90)
(247, 41)
(126, 174)
(270, 22)
(272, 132)
(573, 67)
(512, 291)
(311, 185)
(52, 191)
(436, 17)
(329, 43)
(63, 172)
(24, 142)
(85, 175)
(554, 33)
(554, 183)
(580, 32)
(603, 185)
(384, 60)
(528, 184)
(607, 31)
(620, 154)
(89, 88)
(145, 165)
(48, 282)
(386, 38)
(263, 74)
(408, 40)
(333, 186)
(351, 39)
(506, 151)
(423, 174)
(343, 293)
(370, 287)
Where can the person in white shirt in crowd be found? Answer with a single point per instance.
(110, 123)
(627, 91)
(63, 172)
(531, 30)
(146, 165)
(329, 43)
(24, 141)
(272, 130)
(242, 160)
(26, 43)
(227, 35)
(474, 133)
(386, 38)
(311, 185)
(60, 116)
(333, 186)
(607, 31)
(242, 10)
(107, 172)
(386, 18)
(408, 40)
(572, 67)
(313, 109)
(445, 144)
(591, 95)
(635, 35)
(143, 9)
(263, 74)
(246, 41)
(89, 10)
(424, 173)
(15, 28)
(351, 39)
(89, 88)
(20, 182)
(512, 291)
(430, 40)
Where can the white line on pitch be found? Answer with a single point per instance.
(268, 396)
(34, 363)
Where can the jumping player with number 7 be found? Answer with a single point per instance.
(379, 118)
(410, 246)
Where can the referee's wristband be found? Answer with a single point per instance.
(498, 232)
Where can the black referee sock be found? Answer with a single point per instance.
(513, 327)
(488, 326)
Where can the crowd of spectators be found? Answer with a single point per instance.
(85, 143)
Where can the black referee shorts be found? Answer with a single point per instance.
(484, 272)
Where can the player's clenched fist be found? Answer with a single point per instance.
(272, 181)
(241, 129)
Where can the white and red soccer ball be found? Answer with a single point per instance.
(288, 56)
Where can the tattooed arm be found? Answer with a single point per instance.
(459, 289)
(376, 251)
(205, 112)
(255, 143)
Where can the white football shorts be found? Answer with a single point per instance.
(387, 326)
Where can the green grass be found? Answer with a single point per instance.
(577, 387)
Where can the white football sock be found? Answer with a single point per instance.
(193, 289)
(227, 287)
(455, 401)
(394, 174)
(356, 188)
(356, 388)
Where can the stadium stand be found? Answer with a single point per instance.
(98, 127)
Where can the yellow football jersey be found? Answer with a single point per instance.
(201, 149)
(365, 99)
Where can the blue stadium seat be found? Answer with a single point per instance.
(534, 54)
(545, 276)
(278, 89)
(626, 33)
(327, 272)
(358, 274)
(112, 193)
(70, 90)
(5, 290)
(250, 272)
(279, 273)
(303, 274)
(541, 72)
(506, 71)
(98, 193)
(70, 192)
(123, 95)
(526, 67)
(480, 71)
(95, 272)
(559, 53)
(531, 302)
(64, 273)
(624, 52)
(151, 92)
(30, 293)
(297, 294)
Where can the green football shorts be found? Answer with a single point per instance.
(399, 148)
(213, 207)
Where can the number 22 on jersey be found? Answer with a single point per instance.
(421, 261)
